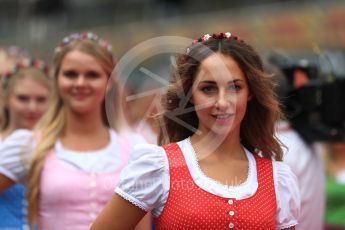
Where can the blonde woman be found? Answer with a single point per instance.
(26, 88)
(9, 56)
(76, 156)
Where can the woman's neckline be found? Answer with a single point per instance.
(200, 172)
(59, 146)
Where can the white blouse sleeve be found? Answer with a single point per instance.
(15, 154)
(145, 180)
(288, 196)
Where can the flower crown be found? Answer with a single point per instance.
(85, 36)
(24, 64)
(219, 36)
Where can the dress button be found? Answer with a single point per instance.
(93, 205)
(231, 213)
(230, 201)
(231, 225)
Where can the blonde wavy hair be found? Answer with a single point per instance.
(53, 122)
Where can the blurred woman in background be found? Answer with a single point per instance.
(26, 90)
(76, 156)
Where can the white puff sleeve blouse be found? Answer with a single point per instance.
(145, 182)
(16, 152)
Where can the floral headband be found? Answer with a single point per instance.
(218, 36)
(24, 64)
(85, 36)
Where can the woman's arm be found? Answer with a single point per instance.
(118, 214)
(145, 223)
(5, 182)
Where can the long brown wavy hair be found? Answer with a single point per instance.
(257, 127)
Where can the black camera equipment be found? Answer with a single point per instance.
(314, 100)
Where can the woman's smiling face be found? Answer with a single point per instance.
(82, 82)
(27, 101)
(220, 95)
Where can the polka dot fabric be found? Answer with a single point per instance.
(190, 207)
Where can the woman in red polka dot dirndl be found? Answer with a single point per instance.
(219, 165)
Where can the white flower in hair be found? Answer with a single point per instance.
(206, 37)
(65, 40)
(227, 34)
(73, 36)
(188, 50)
(26, 62)
(91, 36)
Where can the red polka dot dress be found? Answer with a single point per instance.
(190, 207)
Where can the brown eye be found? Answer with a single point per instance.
(93, 74)
(23, 98)
(41, 99)
(70, 74)
(234, 87)
(209, 89)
